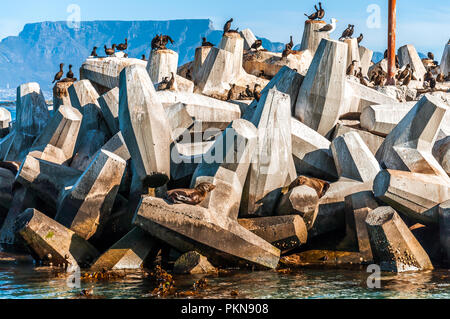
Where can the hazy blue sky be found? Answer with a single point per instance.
(426, 24)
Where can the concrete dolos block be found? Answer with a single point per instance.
(357, 207)
(109, 104)
(353, 158)
(48, 180)
(61, 131)
(106, 71)
(286, 81)
(444, 228)
(32, 112)
(5, 121)
(407, 54)
(128, 253)
(88, 204)
(445, 61)
(220, 239)
(194, 264)
(226, 166)
(394, 246)
(284, 232)
(321, 95)
(412, 194)
(365, 56)
(272, 165)
(311, 39)
(303, 201)
(54, 243)
(358, 97)
(32, 116)
(209, 112)
(161, 64)
(409, 146)
(145, 127)
(249, 39)
(311, 151)
(382, 119)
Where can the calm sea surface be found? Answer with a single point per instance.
(29, 282)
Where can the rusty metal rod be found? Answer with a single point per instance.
(391, 41)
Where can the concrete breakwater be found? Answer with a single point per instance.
(313, 158)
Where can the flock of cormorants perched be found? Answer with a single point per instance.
(377, 77)
(69, 75)
(318, 15)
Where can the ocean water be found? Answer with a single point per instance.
(29, 282)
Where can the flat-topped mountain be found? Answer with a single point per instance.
(34, 55)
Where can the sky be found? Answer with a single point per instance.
(425, 24)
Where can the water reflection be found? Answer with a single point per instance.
(22, 281)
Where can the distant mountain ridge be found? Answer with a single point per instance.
(34, 55)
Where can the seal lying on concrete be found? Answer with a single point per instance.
(190, 196)
(13, 167)
(320, 186)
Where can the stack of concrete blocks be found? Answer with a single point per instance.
(272, 165)
(409, 146)
(32, 116)
(407, 54)
(321, 96)
(164, 64)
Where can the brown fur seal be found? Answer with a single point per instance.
(190, 196)
(320, 186)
